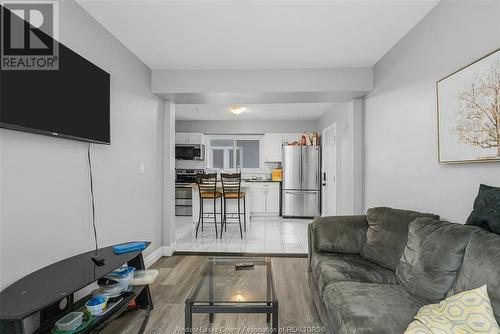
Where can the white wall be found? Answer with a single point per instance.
(45, 202)
(263, 86)
(401, 139)
(246, 126)
(349, 133)
(169, 163)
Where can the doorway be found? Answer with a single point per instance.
(329, 171)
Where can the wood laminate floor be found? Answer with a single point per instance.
(178, 274)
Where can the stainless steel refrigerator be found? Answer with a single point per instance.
(301, 190)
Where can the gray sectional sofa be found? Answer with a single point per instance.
(371, 273)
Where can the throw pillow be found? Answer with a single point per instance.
(432, 257)
(387, 235)
(486, 212)
(466, 312)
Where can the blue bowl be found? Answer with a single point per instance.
(97, 300)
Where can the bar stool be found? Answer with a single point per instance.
(231, 189)
(207, 190)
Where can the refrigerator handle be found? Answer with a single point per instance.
(301, 192)
(300, 167)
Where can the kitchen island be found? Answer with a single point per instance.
(262, 199)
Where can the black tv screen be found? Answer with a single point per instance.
(71, 102)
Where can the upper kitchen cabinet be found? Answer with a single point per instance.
(272, 142)
(189, 138)
(291, 137)
(271, 147)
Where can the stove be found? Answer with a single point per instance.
(187, 176)
(184, 179)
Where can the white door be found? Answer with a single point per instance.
(329, 171)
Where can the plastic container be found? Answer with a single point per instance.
(105, 293)
(96, 305)
(144, 277)
(123, 276)
(70, 321)
(110, 286)
(277, 174)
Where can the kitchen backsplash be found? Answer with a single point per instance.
(196, 164)
(190, 164)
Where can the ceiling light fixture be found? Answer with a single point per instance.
(236, 109)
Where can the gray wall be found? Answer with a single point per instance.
(401, 139)
(45, 203)
(348, 120)
(245, 126)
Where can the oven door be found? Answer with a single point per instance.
(183, 201)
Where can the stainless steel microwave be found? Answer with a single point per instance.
(190, 152)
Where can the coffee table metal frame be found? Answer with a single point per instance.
(268, 307)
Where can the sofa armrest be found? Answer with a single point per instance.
(339, 234)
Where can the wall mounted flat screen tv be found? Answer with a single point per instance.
(72, 102)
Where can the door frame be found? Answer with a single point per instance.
(333, 127)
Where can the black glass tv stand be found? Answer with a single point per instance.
(50, 293)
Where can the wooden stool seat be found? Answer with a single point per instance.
(207, 191)
(241, 194)
(210, 194)
(231, 190)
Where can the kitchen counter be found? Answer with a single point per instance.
(253, 181)
(219, 185)
(262, 200)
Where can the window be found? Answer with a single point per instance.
(229, 152)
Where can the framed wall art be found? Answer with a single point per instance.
(468, 112)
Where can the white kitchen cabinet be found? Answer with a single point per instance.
(273, 200)
(265, 199)
(287, 137)
(258, 200)
(271, 147)
(189, 138)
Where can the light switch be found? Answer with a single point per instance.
(141, 167)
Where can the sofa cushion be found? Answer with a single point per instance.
(330, 267)
(486, 213)
(432, 257)
(340, 234)
(481, 265)
(387, 234)
(364, 308)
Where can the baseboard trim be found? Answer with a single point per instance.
(293, 255)
(158, 253)
(168, 250)
(153, 257)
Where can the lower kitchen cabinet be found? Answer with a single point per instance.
(265, 199)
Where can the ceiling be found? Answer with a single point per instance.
(247, 34)
(262, 111)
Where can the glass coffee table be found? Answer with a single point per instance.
(223, 289)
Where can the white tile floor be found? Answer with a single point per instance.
(264, 235)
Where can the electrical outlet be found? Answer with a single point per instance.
(141, 167)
